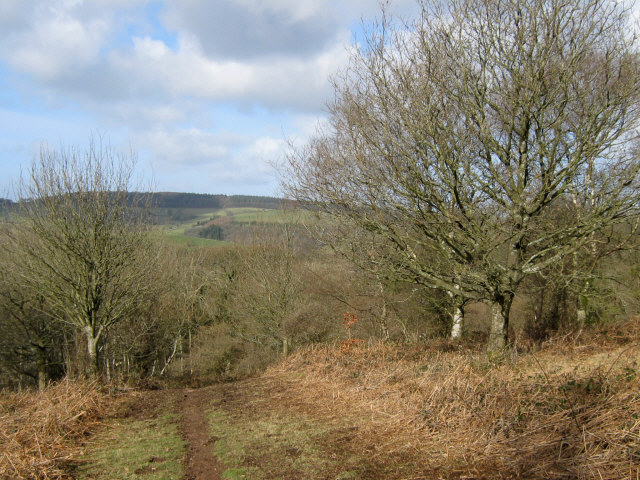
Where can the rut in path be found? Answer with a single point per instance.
(201, 463)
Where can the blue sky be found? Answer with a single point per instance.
(207, 93)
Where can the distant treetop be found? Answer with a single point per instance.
(203, 200)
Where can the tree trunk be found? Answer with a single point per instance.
(178, 342)
(40, 350)
(581, 317)
(581, 310)
(285, 346)
(92, 352)
(42, 377)
(458, 319)
(107, 370)
(498, 335)
(384, 328)
(68, 363)
(458, 315)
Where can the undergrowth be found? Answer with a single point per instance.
(39, 430)
(569, 410)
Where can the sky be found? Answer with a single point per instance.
(207, 93)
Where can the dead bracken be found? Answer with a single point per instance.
(39, 432)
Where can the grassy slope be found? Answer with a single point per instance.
(180, 238)
(382, 412)
(142, 442)
(72, 430)
(442, 410)
(40, 431)
(263, 216)
(237, 215)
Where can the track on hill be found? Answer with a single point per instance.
(201, 463)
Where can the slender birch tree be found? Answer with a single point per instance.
(453, 136)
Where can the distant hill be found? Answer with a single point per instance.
(197, 200)
(203, 200)
(170, 207)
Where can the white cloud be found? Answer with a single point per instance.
(278, 83)
(294, 10)
(55, 43)
(54, 38)
(187, 146)
(68, 48)
(253, 163)
(230, 155)
(266, 149)
(194, 160)
(205, 90)
(306, 126)
(242, 29)
(14, 15)
(142, 117)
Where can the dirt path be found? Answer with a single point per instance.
(201, 463)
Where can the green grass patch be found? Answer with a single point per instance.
(190, 241)
(132, 449)
(178, 237)
(266, 216)
(276, 445)
(272, 216)
(177, 232)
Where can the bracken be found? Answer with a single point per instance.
(39, 431)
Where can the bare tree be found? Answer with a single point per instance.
(271, 298)
(89, 253)
(453, 136)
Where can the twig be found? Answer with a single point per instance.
(11, 463)
(618, 358)
(571, 403)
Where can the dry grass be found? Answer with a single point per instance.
(570, 410)
(38, 430)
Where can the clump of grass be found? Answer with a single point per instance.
(38, 430)
(563, 412)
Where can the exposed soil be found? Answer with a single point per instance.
(201, 463)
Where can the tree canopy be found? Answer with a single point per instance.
(482, 142)
(80, 241)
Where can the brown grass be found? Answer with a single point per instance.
(570, 410)
(38, 430)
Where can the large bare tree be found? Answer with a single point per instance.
(455, 137)
(80, 240)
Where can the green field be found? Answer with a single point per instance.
(177, 231)
(190, 241)
(261, 216)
